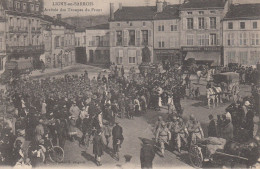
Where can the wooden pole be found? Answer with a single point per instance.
(231, 155)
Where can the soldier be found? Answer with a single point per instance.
(194, 129)
(163, 136)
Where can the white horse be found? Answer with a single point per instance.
(214, 94)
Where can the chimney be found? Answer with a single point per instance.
(112, 11)
(59, 17)
(120, 6)
(159, 6)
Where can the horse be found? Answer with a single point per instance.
(211, 95)
(214, 94)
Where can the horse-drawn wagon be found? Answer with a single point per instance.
(224, 85)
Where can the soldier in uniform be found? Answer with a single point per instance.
(163, 136)
(194, 130)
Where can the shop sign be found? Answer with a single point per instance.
(203, 48)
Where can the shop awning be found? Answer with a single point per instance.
(200, 57)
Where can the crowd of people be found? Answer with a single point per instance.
(77, 108)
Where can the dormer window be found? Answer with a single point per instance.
(189, 13)
(201, 12)
(144, 24)
(213, 12)
(131, 24)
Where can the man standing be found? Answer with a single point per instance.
(212, 128)
(117, 133)
(163, 136)
(147, 155)
(194, 129)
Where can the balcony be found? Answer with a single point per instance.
(25, 49)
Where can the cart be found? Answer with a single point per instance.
(229, 83)
(198, 156)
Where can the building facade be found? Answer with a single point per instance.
(201, 30)
(131, 29)
(98, 44)
(80, 38)
(22, 41)
(59, 38)
(167, 34)
(241, 34)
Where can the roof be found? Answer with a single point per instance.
(243, 11)
(170, 12)
(10, 12)
(57, 22)
(81, 29)
(203, 4)
(101, 26)
(135, 13)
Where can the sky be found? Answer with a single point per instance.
(100, 7)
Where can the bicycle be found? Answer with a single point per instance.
(55, 153)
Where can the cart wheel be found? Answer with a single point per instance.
(196, 156)
(56, 154)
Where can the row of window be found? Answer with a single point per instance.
(244, 39)
(201, 23)
(203, 40)
(172, 28)
(201, 12)
(131, 54)
(24, 6)
(131, 38)
(25, 41)
(172, 43)
(242, 25)
(243, 58)
(99, 41)
(61, 42)
(24, 22)
(130, 24)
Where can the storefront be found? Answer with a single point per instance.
(171, 55)
(203, 55)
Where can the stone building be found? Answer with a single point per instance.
(20, 32)
(98, 44)
(201, 30)
(167, 33)
(131, 29)
(59, 38)
(241, 34)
